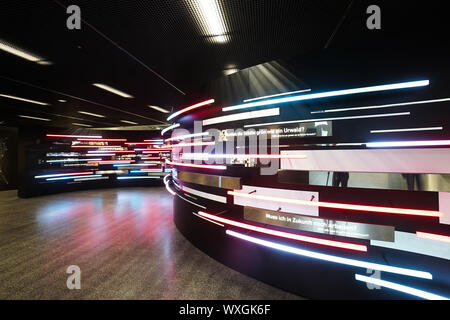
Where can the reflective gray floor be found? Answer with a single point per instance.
(124, 242)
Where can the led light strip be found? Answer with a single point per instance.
(277, 95)
(383, 105)
(287, 235)
(111, 161)
(34, 118)
(166, 183)
(329, 119)
(74, 177)
(400, 287)
(406, 130)
(219, 224)
(97, 146)
(137, 177)
(415, 212)
(142, 143)
(432, 236)
(99, 139)
(196, 204)
(70, 136)
(148, 170)
(112, 90)
(89, 179)
(402, 85)
(331, 258)
(18, 52)
(206, 156)
(135, 164)
(23, 99)
(176, 125)
(112, 152)
(187, 136)
(200, 166)
(205, 195)
(154, 140)
(64, 174)
(383, 144)
(193, 144)
(70, 160)
(242, 116)
(195, 106)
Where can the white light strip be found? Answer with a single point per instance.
(81, 124)
(71, 160)
(209, 19)
(175, 125)
(187, 136)
(406, 130)
(196, 204)
(159, 109)
(400, 287)
(23, 99)
(17, 52)
(276, 95)
(129, 122)
(112, 90)
(137, 177)
(331, 258)
(383, 144)
(336, 93)
(205, 195)
(34, 118)
(206, 156)
(92, 114)
(89, 179)
(383, 105)
(243, 116)
(329, 119)
(73, 177)
(219, 224)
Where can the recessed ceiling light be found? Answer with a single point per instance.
(18, 52)
(110, 89)
(129, 122)
(35, 118)
(62, 100)
(227, 72)
(210, 19)
(159, 109)
(81, 124)
(23, 99)
(44, 62)
(91, 114)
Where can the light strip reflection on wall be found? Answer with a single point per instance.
(219, 224)
(196, 204)
(194, 106)
(415, 212)
(200, 166)
(336, 93)
(406, 130)
(243, 116)
(424, 143)
(70, 136)
(187, 136)
(175, 125)
(330, 119)
(399, 287)
(166, 183)
(277, 95)
(206, 195)
(23, 99)
(382, 106)
(287, 235)
(331, 258)
(205, 156)
(432, 236)
(74, 177)
(137, 177)
(64, 174)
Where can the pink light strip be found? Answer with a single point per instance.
(200, 166)
(433, 236)
(111, 161)
(95, 139)
(70, 136)
(194, 106)
(286, 235)
(415, 212)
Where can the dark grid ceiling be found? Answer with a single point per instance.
(153, 50)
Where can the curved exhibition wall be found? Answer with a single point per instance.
(57, 162)
(350, 198)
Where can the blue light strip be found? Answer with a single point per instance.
(296, 98)
(400, 287)
(74, 177)
(331, 258)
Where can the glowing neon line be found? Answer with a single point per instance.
(194, 106)
(100, 140)
(186, 136)
(176, 125)
(166, 183)
(69, 160)
(336, 93)
(74, 177)
(137, 177)
(357, 207)
(193, 144)
(277, 95)
(423, 143)
(331, 258)
(400, 287)
(64, 174)
(111, 161)
(205, 156)
(287, 235)
(200, 166)
(432, 236)
(70, 136)
(406, 130)
(243, 116)
(219, 224)
(98, 146)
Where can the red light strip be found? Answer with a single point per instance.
(156, 149)
(433, 236)
(414, 212)
(194, 106)
(138, 143)
(98, 146)
(94, 139)
(154, 140)
(287, 235)
(200, 166)
(111, 161)
(70, 136)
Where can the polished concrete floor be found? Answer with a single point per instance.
(124, 242)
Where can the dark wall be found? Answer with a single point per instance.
(8, 158)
